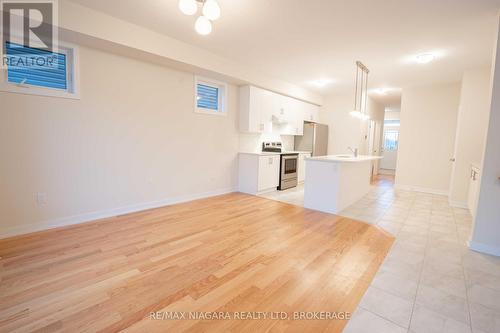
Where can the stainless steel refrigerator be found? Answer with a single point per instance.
(315, 139)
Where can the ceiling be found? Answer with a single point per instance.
(302, 41)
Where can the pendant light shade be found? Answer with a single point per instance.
(211, 10)
(203, 26)
(188, 7)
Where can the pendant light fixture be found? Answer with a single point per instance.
(210, 12)
(361, 92)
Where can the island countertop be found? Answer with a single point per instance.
(343, 158)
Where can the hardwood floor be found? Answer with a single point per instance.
(383, 181)
(232, 253)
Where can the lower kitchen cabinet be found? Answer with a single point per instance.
(258, 173)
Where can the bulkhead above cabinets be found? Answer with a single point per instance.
(263, 111)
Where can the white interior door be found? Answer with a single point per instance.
(390, 149)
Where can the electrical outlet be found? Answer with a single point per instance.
(41, 198)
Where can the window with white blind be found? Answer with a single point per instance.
(210, 96)
(39, 72)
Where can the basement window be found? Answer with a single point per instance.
(210, 96)
(39, 72)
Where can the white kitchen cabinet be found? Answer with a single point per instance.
(262, 111)
(311, 112)
(301, 168)
(258, 173)
(269, 172)
(254, 110)
(473, 190)
(292, 112)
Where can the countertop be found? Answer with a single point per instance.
(343, 158)
(260, 153)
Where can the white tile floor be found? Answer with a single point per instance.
(294, 196)
(430, 281)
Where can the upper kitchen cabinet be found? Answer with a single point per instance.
(262, 111)
(311, 112)
(255, 113)
(289, 118)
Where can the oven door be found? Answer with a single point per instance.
(289, 165)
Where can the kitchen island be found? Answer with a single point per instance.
(335, 182)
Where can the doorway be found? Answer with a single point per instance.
(390, 147)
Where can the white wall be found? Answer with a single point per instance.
(344, 130)
(132, 141)
(486, 235)
(427, 137)
(473, 116)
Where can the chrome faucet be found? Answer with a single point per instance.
(354, 151)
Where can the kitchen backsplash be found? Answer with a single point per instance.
(253, 142)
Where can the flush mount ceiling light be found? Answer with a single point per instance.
(321, 82)
(361, 93)
(425, 58)
(210, 11)
(382, 91)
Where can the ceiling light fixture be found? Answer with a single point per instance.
(321, 82)
(425, 58)
(188, 7)
(361, 107)
(210, 12)
(203, 26)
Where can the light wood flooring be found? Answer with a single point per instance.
(229, 253)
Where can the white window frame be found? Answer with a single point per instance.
(72, 78)
(222, 86)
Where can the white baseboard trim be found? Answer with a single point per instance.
(421, 189)
(88, 217)
(458, 204)
(483, 248)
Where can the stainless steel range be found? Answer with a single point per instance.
(288, 165)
